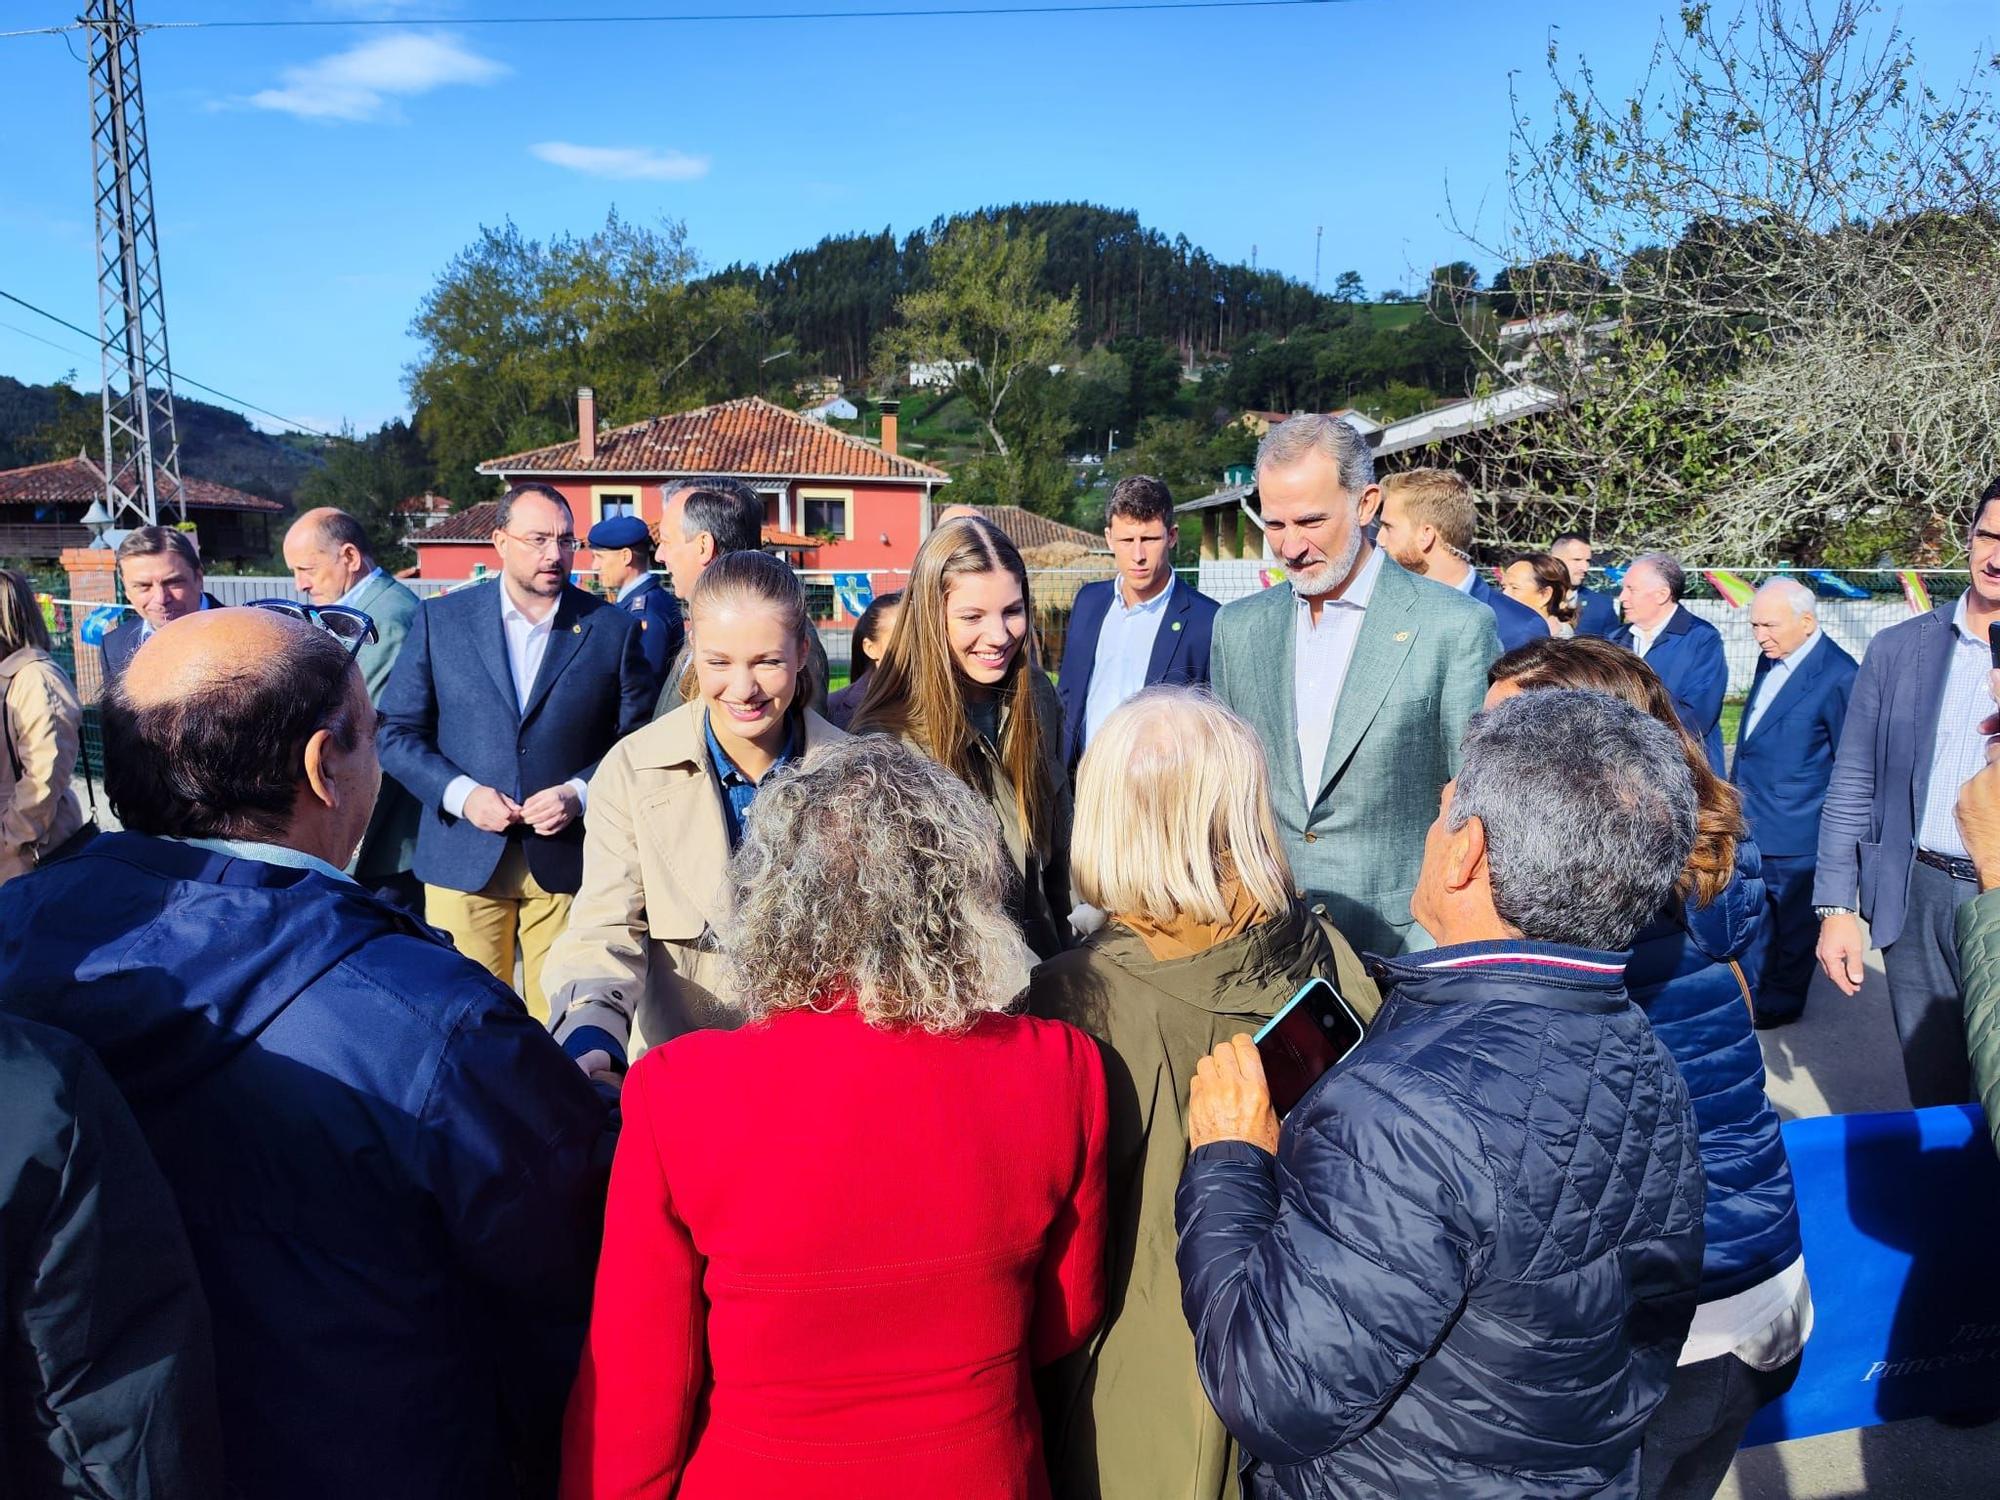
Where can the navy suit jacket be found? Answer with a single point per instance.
(1783, 769)
(1688, 657)
(657, 613)
(1882, 774)
(1595, 614)
(450, 710)
(122, 644)
(1180, 650)
(1516, 623)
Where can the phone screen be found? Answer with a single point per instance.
(1315, 1030)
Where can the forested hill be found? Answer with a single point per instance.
(1129, 281)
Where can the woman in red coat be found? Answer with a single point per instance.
(840, 1239)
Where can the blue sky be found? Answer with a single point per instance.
(311, 182)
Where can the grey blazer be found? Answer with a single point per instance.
(1418, 673)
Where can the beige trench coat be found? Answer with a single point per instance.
(44, 730)
(639, 957)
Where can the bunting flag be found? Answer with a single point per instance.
(99, 623)
(1833, 585)
(1915, 591)
(50, 617)
(1731, 586)
(1268, 576)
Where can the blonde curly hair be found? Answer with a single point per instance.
(876, 873)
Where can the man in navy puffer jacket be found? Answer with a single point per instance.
(1468, 1261)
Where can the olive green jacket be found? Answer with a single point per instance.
(1125, 1418)
(1979, 964)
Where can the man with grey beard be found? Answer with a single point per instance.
(1358, 676)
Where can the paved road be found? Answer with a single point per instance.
(1841, 1058)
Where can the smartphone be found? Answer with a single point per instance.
(1315, 1030)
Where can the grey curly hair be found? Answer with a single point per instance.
(872, 871)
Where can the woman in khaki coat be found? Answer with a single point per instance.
(961, 681)
(638, 962)
(1204, 939)
(39, 813)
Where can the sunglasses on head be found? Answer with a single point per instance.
(350, 627)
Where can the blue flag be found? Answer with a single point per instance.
(854, 592)
(99, 623)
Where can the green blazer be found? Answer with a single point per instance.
(391, 841)
(1418, 673)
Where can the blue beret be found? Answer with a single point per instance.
(620, 531)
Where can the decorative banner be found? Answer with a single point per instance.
(1836, 586)
(853, 592)
(50, 617)
(1268, 576)
(1915, 591)
(1731, 586)
(99, 623)
(1614, 573)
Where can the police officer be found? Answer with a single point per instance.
(623, 548)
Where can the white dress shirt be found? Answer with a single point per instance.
(1775, 680)
(527, 643)
(1959, 751)
(1124, 651)
(1642, 639)
(1321, 654)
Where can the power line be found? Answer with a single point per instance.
(179, 379)
(932, 12)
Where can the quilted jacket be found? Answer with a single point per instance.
(1471, 1265)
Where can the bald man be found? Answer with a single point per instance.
(390, 1175)
(1784, 761)
(331, 562)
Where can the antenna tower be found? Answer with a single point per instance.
(1318, 234)
(142, 457)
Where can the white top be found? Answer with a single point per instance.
(1959, 752)
(1124, 651)
(527, 643)
(1775, 679)
(1764, 1325)
(1642, 639)
(1321, 655)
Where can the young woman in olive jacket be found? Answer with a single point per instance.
(1175, 840)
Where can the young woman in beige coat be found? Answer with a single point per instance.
(639, 963)
(39, 813)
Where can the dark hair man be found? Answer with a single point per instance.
(1684, 649)
(1427, 522)
(1595, 613)
(328, 553)
(623, 548)
(161, 574)
(1137, 629)
(1441, 1275)
(390, 1175)
(505, 698)
(1911, 740)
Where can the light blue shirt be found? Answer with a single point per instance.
(346, 600)
(1775, 680)
(1124, 651)
(1959, 751)
(270, 854)
(147, 627)
(1321, 655)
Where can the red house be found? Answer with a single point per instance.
(832, 501)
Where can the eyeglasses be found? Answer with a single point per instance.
(541, 541)
(350, 627)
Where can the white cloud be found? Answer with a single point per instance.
(627, 163)
(362, 82)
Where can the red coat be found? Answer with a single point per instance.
(832, 1254)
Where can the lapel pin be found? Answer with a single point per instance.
(1177, 624)
(1402, 635)
(576, 630)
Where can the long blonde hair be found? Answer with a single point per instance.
(1173, 799)
(917, 692)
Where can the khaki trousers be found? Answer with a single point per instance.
(486, 925)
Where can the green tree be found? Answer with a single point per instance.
(984, 307)
(76, 426)
(369, 478)
(1347, 287)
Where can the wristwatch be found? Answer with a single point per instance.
(1823, 912)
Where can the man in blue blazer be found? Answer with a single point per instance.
(1684, 649)
(161, 574)
(1784, 760)
(1427, 521)
(1890, 849)
(506, 696)
(1140, 628)
(1595, 613)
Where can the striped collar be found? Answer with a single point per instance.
(1556, 965)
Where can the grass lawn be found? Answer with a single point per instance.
(1732, 715)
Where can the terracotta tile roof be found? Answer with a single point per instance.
(476, 522)
(749, 436)
(78, 481)
(1025, 529)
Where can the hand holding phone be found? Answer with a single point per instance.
(1315, 1030)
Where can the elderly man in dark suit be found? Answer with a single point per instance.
(1595, 613)
(506, 697)
(1784, 759)
(1890, 848)
(1682, 648)
(1138, 629)
(161, 574)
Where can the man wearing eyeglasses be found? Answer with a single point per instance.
(506, 696)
